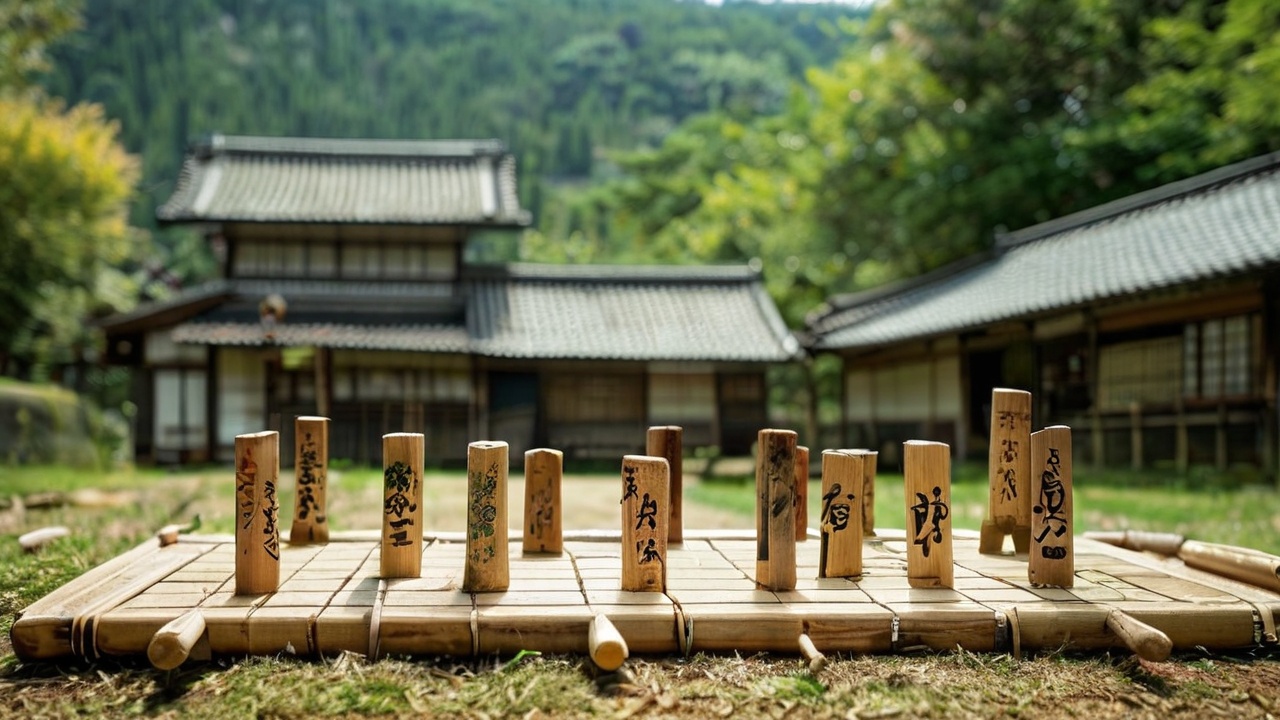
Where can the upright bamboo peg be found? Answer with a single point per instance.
(257, 532)
(926, 467)
(402, 457)
(1009, 473)
(487, 565)
(543, 532)
(644, 517)
(868, 491)
(311, 481)
(802, 492)
(1052, 557)
(840, 554)
(775, 517)
(667, 441)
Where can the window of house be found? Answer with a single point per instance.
(1220, 357)
(1148, 372)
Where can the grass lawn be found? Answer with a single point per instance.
(926, 684)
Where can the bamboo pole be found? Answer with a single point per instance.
(172, 644)
(667, 441)
(775, 518)
(543, 470)
(311, 477)
(487, 566)
(869, 458)
(802, 493)
(644, 535)
(605, 644)
(402, 458)
(1052, 559)
(927, 474)
(1244, 564)
(1146, 642)
(840, 552)
(1009, 473)
(257, 533)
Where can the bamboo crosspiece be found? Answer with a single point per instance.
(487, 567)
(840, 554)
(543, 532)
(869, 458)
(775, 516)
(644, 516)
(1052, 558)
(926, 468)
(802, 493)
(402, 457)
(667, 441)
(1009, 472)
(257, 509)
(311, 480)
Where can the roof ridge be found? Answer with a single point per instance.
(552, 272)
(1121, 206)
(219, 144)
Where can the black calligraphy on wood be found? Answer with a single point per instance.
(400, 481)
(928, 516)
(1053, 497)
(483, 512)
(309, 469)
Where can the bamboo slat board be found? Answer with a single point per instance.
(331, 600)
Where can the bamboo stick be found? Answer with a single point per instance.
(257, 533)
(172, 644)
(644, 535)
(927, 473)
(543, 532)
(1145, 641)
(667, 441)
(775, 518)
(1051, 561)
(36, 539)
(311, 476)
(487, 566)
(840, 553)
(606, 645)
(1009, 473)
(869, 458)
(802, 493)
(817, 661)
(402, 458)
(1243, 564)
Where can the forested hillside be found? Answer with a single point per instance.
(560, 81)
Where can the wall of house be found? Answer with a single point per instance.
(179, 423)
(889, 401)
(684, 395)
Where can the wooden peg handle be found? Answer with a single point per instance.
(172, 644)
(817, 661)
(1145, 641)
(607, 647)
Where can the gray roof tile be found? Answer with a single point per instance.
(1221, 224)
(256, 179)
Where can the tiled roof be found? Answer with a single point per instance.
(314, 180)
(714, 314)
(1221, 224)
(627, 313)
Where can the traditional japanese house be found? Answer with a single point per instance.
(1150, 325)
(344, 292)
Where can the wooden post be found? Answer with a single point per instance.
(1052, 558)
(543, 532)
(802, 493)
(644, 535)
(667, 441)
(487, 567)
(775, 518)
(1009, 473)
(311, 478)
(257, 533)
(926, 468)
(840, 554)
(402, 456)
(605, 644)
(869, 458)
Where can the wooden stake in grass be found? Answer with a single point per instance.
(257, 532)
(543, 469)
(644, 517)
(840, 554)
(802, 493)
(311, 476)
(869, 458)
(402, 457)
(926, 468)
(667, 441)
(487, 566)
(1052, 558)
(1009, 473)
(775, 517)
